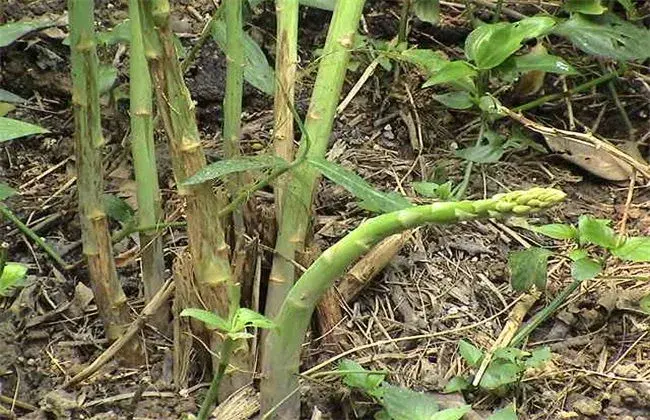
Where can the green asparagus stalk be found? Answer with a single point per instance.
(284, 343)
(286, 12)
(144, 162)
(97, 247)
(297, 201)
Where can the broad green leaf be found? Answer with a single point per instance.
(6, 96)
(490, 105)
(13, 129)
(405, 404)
(427, 10)
(577, 254)
(457, 383)
(644, 304)
(10, 32)
(107, 77)
(6, 108)
(121, 33)
(454, 413)
(636, 249)
(585, 268)
(363, 379)
(257, 70)
(542, 62)
(528, 267)
(499, 373)
(430, 61)
(225, 167)
(6, 191)
(245, 317)
(538, 357)
(12, 276)
(451, 72)
(597, 232)
(118, 209)
(241, 335)
(511, 354)
(358, 187)
(607, 36)
(588, 7)
(485, 153)
(491, 44)
(469, 352)
(211, 319)
(507, 413)
(557, 231)
(455, 100)
(433, 190)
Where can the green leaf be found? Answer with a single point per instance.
(433, 190)
(427, 10)
(629, 7)
(241, 335)
(225, 167)
(6, 191)
(118, 209)
(451, 72)
(363, 379)
(245, 317)
(607, 36)
(510, 354)
(357, 186)
(485, 153)
(588, 7)
(428, 60)
(597, 232)
(211, 319)
(636, 249)
(6, 96)
(469, 352)
(405, 404)
(577, 254)
(121, 33)
(585, 268)
(10, 32)
(107, 77)
(538, 357)
(559, 231)
(455, 100)
(491, 44)
(13, 129)
(457, 383)
(12, 276)
(499, 373)
(528, 267)
(542, 62)
(490, 105)
(507, 413)
(454, 413)
(644, 304)
(257, 70)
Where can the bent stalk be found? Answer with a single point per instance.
(97, 247)
(284, 343)
(146, 174)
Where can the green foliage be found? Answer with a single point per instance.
(635, 249)
(372, 199)
(121, 33)
(542, 62)
(107, 77)
(234, 328)
(455, 100)
(528, 267)
(6, 96)
(470, 353)
(597, 232)
(585, 268)
(457, 383)
(427, 10)
(433, 190)
(507, 413)
(557, 231)
(13, 275)
(12, 129)
(606, 35)
(452, 71)
(222, 168)
(588, 7)
(11, 32)
(118, 209)
(257, 70)
(496, 146)
(355, 376)
(6, 191)
(644, 304)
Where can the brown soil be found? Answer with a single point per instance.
(448, 282)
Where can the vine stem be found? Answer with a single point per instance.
(213, 391)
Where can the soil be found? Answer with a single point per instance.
(447, 283)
